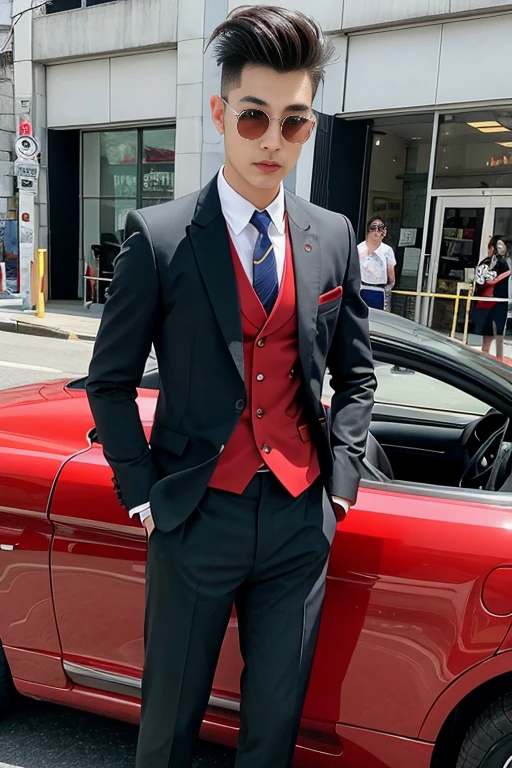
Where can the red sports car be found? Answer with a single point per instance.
(414, 662)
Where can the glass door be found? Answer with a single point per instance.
(458, 245)
(499, 221)
(500, 224)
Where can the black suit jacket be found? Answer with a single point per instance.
(174, 285)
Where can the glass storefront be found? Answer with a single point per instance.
(397, 191)
(57, 6)
(457, 184)
(122, 170)
(474, 150)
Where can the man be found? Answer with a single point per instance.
(247, 293)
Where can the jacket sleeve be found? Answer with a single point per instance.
(353, 380)
(122, 347)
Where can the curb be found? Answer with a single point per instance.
(31, 329)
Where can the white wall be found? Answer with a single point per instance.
(393, 69)
(120, 89)
(6, 114)
(358, 14)
(122, 26)
(450, 63)
(476, 60)
(361, 14)
(328, 13)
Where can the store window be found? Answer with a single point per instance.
(474, 150)
(122, 170)
(397, 191)
(56, 6)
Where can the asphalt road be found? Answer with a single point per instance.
(30, 359)
(38, 735)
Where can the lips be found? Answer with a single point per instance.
(267, 166)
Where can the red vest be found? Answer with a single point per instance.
(273, 428)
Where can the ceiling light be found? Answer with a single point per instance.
(507, 144)
(485, 124)
(501, 129)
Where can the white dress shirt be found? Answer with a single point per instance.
(238, 212)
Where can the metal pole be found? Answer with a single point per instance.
(421, 309)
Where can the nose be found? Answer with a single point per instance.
(272, 140)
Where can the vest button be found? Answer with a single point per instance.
(240, 405)
(261, 342)
(267, 448)
(260, 413)
(260, 377)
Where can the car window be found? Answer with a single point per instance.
(402, 386)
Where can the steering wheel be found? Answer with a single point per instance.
(480, 468)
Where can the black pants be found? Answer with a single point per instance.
(267, 553)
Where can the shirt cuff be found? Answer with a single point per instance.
(143, 510)
(343, 503)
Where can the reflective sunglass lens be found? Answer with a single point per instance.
(296, 129)
(253, 124)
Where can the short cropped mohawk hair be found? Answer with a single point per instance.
(287, 41)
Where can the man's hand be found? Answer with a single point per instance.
(149, 525)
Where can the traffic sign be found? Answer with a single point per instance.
(26, 147)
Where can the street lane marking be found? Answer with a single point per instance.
(27, 367)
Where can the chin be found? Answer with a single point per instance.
(266, 180)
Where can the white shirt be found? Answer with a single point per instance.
(238, 212)
(374, 266)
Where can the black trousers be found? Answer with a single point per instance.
(267, 553)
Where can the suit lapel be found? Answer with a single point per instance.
(306, 263)
(209, 237)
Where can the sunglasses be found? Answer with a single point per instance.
(252, 124)
(377, 228)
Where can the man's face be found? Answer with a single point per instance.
(264, 162)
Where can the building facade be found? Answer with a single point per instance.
(414, 124)
(8, 224)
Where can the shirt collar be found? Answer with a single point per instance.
(238, 211)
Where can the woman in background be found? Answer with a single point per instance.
(377, 262)
(492, 281)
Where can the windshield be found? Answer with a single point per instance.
(392, 328)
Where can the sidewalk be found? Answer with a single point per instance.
(71, 320)
(62, 320)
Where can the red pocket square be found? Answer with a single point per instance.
(336, 293)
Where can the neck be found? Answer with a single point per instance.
(372, 246)
(260, 198)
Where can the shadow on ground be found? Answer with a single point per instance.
(38, 735)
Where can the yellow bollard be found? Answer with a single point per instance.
(41, 253)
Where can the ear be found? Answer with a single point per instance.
(217, 109)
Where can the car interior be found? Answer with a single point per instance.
(425, 431)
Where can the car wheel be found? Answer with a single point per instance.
(6, 685)
(488, 743)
